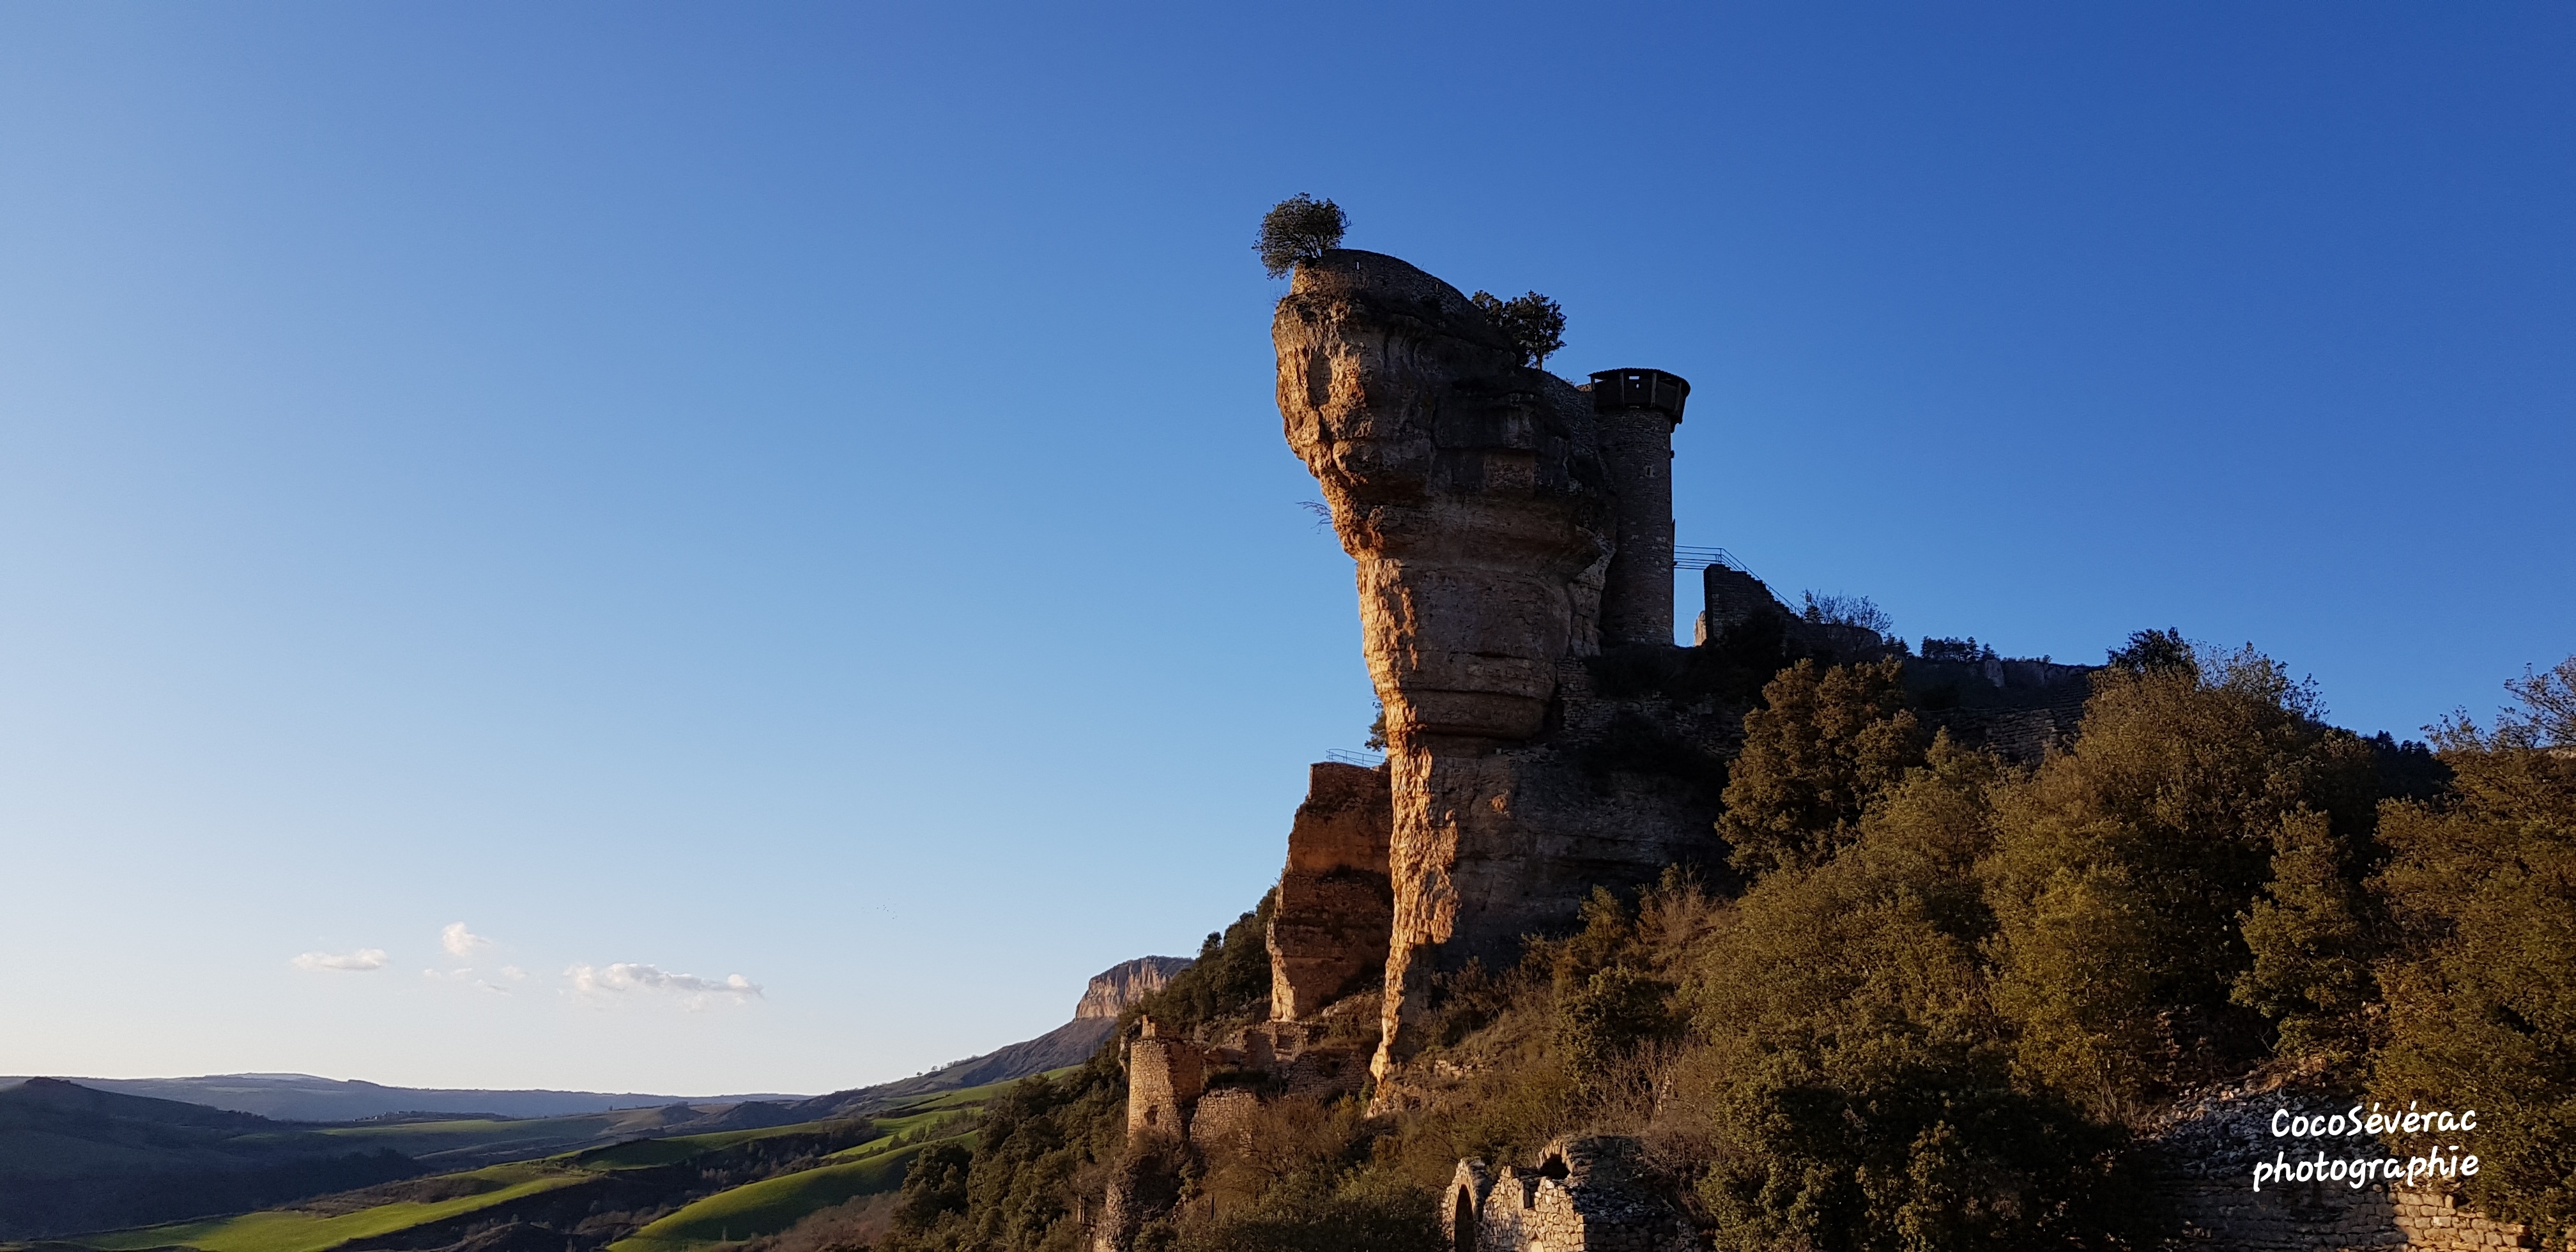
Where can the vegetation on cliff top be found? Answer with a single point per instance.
(1299, 228)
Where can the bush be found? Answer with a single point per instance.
(2125, 868)
(1299, 228)
(1836, 609)
(1864, 1095)
(1534, 323)
(1824, 743)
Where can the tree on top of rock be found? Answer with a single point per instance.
(1533, 323)
(1299, 228)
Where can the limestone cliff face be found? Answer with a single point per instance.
(1329, 926)
(1469, 490)
(1113, 989)
(1476, 499)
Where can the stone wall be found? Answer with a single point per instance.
(1336, 906)
(1164, 1078)
(1223, 1120)
(1585, 1195)
(2332, 1217)
(2202, 1152)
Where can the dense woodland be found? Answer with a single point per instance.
(1950, 996)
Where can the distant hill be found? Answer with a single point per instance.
(76, 1159)
(690, 1192)
(305, 1098)
(1095, 1020)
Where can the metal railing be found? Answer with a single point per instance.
(1702, 558)
(1349, 756)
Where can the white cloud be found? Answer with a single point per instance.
(513, 972)
(625, 977)
(362, 959)
(460, 942)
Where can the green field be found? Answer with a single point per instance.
(298, 1230)
(432, 1142)
(773, 1205)
(646, 1153)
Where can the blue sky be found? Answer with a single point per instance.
(793, 491)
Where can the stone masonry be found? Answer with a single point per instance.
(2203, 1152)
(1585, 1195)
(1164, 1078)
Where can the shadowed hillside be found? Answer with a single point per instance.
(76, 1159)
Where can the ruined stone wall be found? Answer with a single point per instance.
(1164, 1079)
(2332, 1217)
(1584, 1196)
(1224, 1119)
(2202, 1153)
(1336, 905)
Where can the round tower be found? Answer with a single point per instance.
(1637, 410)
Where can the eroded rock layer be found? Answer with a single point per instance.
(1474, 496)
(1336, 906)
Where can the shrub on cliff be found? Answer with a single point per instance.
(1534, 323)
(1823, 743)
(1230, 979)
(1299, 228)
(1837, 609)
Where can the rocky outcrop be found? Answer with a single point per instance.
(1114, 989)
(1469, 490)
(1483, 511)
(1329, 925)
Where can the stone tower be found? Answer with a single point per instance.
(1637, 410)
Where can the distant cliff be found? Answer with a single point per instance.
(1119, 986)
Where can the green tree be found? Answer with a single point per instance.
(2122, 870)
(2154, 651)
(1823, 743)
(2310, 940)
(2481, 989)
(1299, 228)
(1534, 323)
(934, 1189)
(1865, 1093)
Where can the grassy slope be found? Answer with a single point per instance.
(773, 1205)
(646, 1153)
(296, 1230)
(431, 1141)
